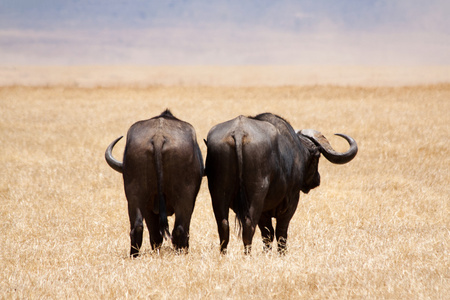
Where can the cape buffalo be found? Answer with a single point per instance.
(162, 171)
(257, 166)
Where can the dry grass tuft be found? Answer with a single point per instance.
(377, 227)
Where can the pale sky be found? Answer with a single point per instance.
(204, 32)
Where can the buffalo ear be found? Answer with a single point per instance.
(206, 142)
(314, 151)
(312, 148)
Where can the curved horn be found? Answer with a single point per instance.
(328, 151)
(112, 162)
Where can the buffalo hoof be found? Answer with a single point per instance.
(134, 252)
(267, 248)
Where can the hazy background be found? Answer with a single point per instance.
(204, 32)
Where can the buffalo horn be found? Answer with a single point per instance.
(112, 162)
(327, 150)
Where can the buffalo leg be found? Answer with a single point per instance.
(220, 208)
(248, 231)
(282, 233)
(283, 223)
(156, 239)
(180, 233)
(250, 221)
(224, 230)
(136, 230)
(281, 239)
(221, 200)
(267, 232)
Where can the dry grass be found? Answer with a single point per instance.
(377, 227)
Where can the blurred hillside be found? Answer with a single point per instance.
(200, 32)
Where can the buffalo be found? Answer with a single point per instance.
(257, 166)
(162, 171)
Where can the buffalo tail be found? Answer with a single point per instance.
(163, 223)
(240, 202)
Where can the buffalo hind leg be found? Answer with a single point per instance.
(156, 239)
(253, 217)
(136, 230)
(267, 232)
(221, 208)
(223, 227)
(224, 233)
(180, 239)
(248, 231)
(180, 234)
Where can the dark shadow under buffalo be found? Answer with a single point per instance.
(162, 172)
(257, 166)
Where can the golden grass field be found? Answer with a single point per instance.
(377, 227)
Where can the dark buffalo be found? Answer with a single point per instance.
(162, 171)
(257, 166)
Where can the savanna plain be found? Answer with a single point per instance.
(377, 227)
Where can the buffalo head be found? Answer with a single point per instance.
(316, 143)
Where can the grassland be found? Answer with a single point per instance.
(377, 227)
